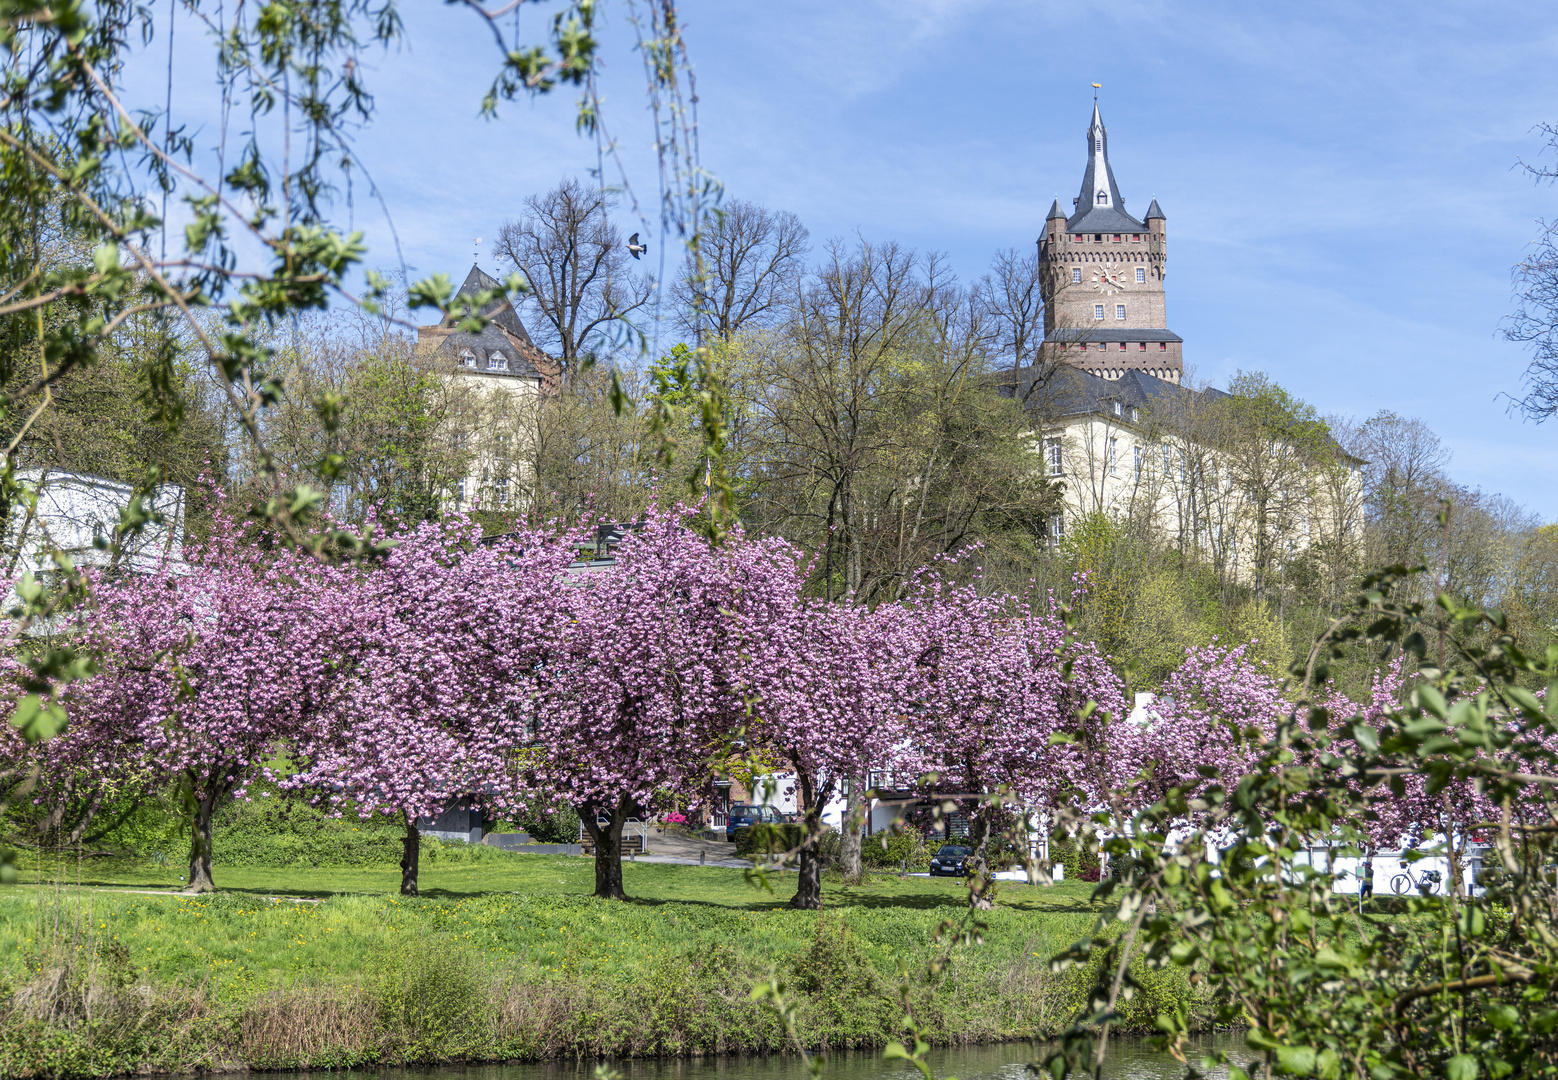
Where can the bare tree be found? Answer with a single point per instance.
(752, 258)
(1535, 321)
(582, 285)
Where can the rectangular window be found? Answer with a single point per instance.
(1119, 311)
(1098, 311)
(1052, 456)
(1114, 448)
(1076, 275)
(1135, 416)
(1162, 346)
(1135, 238)
(1117, 408)
(1141, 275)
(1098, 238)
(1122, 346)
(1116, 238)
(1142, 347)
(1138, 463)
(1168, 460)
(461, 496)
(1057, 529)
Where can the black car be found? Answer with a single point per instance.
(950, 860)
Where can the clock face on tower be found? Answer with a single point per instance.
(1109, 278)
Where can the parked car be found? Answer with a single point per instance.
(950, 860)
(749, 814)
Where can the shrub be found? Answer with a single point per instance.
(560, 827)
(890, 850)
(768, 839)
(1081, 864)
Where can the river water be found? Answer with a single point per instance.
(1128, 1059)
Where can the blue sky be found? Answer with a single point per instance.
(1340, 183)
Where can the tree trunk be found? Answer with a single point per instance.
(200, 844)
(849, 840)
(608, 849)
(410, 857)
(808, 887)
(981, 886)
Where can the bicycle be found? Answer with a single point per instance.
(1427, 885)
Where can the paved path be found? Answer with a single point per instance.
(670, 847)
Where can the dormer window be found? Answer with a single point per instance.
(497, 362)
(468, 358)
(1103, 198)
(1116, 409)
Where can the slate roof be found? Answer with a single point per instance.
(1071, 391)
(1100, 219)
(1154, 212)
(504, 334)
(1068, 334)
(1056, 212)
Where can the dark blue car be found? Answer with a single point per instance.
(950, 860)
(749, 814)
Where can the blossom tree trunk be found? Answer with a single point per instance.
(981, 886)
(202, 807)
(808, 887)
(849, 840)
(410, 857)
(608, 847)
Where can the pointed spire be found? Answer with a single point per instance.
(1099, 191)
(1154, 211)
(1099, 206)
(1055, 211)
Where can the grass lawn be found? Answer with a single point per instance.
(530, 913)
(508, 956)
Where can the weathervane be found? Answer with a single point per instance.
(476, 258)
(1096, 87)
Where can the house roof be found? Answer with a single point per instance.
(504, 334)
(1154, 212)
(1070, 391)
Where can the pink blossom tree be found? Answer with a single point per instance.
(637, 692)
(450, 634)
(997, 694)
(824, 680)
(206, 670)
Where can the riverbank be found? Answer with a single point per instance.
(508, 959)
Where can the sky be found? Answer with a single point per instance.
(1341, 181)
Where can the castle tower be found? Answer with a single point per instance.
(1104, 305)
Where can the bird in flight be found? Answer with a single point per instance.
(635, 247)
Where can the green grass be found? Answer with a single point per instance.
(508, 956)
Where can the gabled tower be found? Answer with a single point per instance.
(1104, 304)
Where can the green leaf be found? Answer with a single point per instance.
(1296, 1060)
(37, 719)
(1429, 698)
(1260, 1039)
(1462, 1067)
